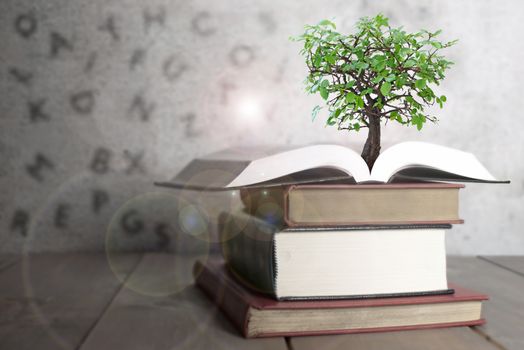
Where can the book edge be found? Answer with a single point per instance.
(477, 322)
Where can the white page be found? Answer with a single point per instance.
(285, 163)
(412, 154)
(395, 261)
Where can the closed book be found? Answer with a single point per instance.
(342, 262)
(256, 315)
(362, 204)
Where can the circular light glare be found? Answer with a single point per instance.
(192, 221)
(148, 222)
(249, 108)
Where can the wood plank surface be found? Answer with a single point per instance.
(52, 301)
(513, 263)
(457, 338)
(504, 311)
(7, 260)
(159, 308)
(67, 301)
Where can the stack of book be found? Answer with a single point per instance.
(321, 247)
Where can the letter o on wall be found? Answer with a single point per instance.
(26, 24)
(242, 56)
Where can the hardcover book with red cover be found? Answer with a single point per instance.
(257, 315)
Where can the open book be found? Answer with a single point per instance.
(406, 161)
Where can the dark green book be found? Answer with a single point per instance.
(331, 263)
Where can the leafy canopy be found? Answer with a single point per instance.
(378, 71)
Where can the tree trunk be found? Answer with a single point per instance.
(372, 146)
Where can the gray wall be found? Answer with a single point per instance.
(100, 98)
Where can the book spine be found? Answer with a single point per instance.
(226, 298)
(248, 249)
(296, 225)
(366, 227)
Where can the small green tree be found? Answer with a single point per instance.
(377, 74)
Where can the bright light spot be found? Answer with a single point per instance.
(192, 221)
(249, 108)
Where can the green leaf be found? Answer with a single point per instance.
(378, 104)
(314, 87)
(390, 78)
(385, 88)
(362, 65)
(377, 79)
(410, 63)
(393, 115)
(315, 111)
(400, 81)
(380, 66)
(317, 60)
(404, 51)
(326, 22)
(418, 120)
(443, 98)
(359, 101)
(420, 84)
(330, 59)
(439, 101)
(350, 97)
(332, 36)
(381, 20)
(324, 92)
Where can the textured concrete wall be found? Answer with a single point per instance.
(100, 98)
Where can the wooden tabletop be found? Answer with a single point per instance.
(135, 301)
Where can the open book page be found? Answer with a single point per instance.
(407, 161)
(447, 163)
(309, 157)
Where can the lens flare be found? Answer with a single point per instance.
(249, 108)
(149, 222)
(192, 220)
